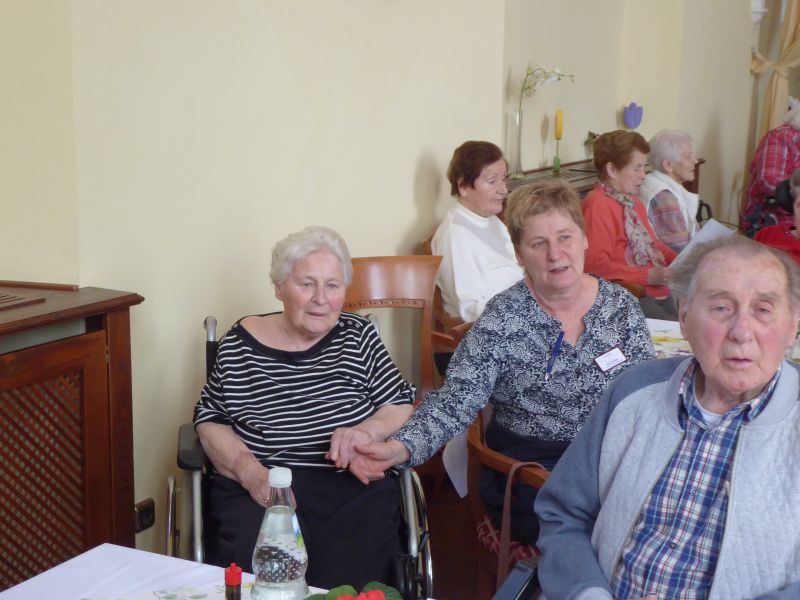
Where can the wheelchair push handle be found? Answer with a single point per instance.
(210, 324)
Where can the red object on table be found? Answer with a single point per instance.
(233, 582)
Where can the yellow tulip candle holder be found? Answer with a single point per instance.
(559, 131)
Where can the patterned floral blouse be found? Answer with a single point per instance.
(504, 357)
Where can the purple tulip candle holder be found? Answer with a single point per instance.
(632, 115)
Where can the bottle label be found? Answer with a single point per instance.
(297, 533)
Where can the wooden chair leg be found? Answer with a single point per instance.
(485, 584)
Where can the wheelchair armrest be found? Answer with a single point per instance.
(191, 456)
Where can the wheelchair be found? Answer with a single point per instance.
(414, 567)
(764, 215)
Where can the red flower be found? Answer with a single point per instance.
(370, 595)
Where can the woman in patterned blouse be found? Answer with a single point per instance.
(543, 351)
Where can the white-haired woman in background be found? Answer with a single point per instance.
(671, 208)
(299, 389)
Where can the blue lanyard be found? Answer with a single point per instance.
(554, 355)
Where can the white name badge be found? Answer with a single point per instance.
(609, 360)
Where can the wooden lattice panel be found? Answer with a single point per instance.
(41, 480)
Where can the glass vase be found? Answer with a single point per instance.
(514, 150)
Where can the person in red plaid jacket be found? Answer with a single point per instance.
(776, 158)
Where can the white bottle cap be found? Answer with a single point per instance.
(280, 477)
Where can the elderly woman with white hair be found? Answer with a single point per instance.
(776, 158)
(671, 208)
(299, 389)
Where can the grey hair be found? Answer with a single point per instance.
(297, 246)
(792, 116)
(683, 277)
(666, 145)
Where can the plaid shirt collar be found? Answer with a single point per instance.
(688, 408)
(674, 547)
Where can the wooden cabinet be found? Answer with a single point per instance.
(66, 440)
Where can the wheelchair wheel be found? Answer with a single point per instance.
(405, 577)
(415, 568)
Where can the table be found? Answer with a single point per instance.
(109, 570)
(668, 341)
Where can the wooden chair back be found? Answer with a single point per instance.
(442, 320)
(480, 454)
(399, 282)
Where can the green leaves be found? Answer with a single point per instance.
(388, 591)
(348, 591)
(536, 75)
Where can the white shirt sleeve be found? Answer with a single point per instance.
(472, 271)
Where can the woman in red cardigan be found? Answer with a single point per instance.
(622, 244)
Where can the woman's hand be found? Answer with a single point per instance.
(254, 477)
(343, 443)
(658, 275)
(383, 423)
(233, 459)
(374, 458)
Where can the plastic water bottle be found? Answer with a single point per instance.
(280, 558)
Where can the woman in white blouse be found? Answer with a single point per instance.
(478, 258)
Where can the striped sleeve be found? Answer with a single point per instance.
(386, 384)
(286, 405)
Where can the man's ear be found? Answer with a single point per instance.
(682, 309)
(793, 338)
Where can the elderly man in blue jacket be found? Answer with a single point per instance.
(685, 481)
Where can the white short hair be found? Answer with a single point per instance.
(667, 145)
(683, 279)
(297, 246)
(793, 117)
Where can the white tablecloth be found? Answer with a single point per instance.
(110, 570)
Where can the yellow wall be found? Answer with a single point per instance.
(563, 34)
(206, 131)
(666, 56)
(38, 229)
(163, 147)
(714, 97)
